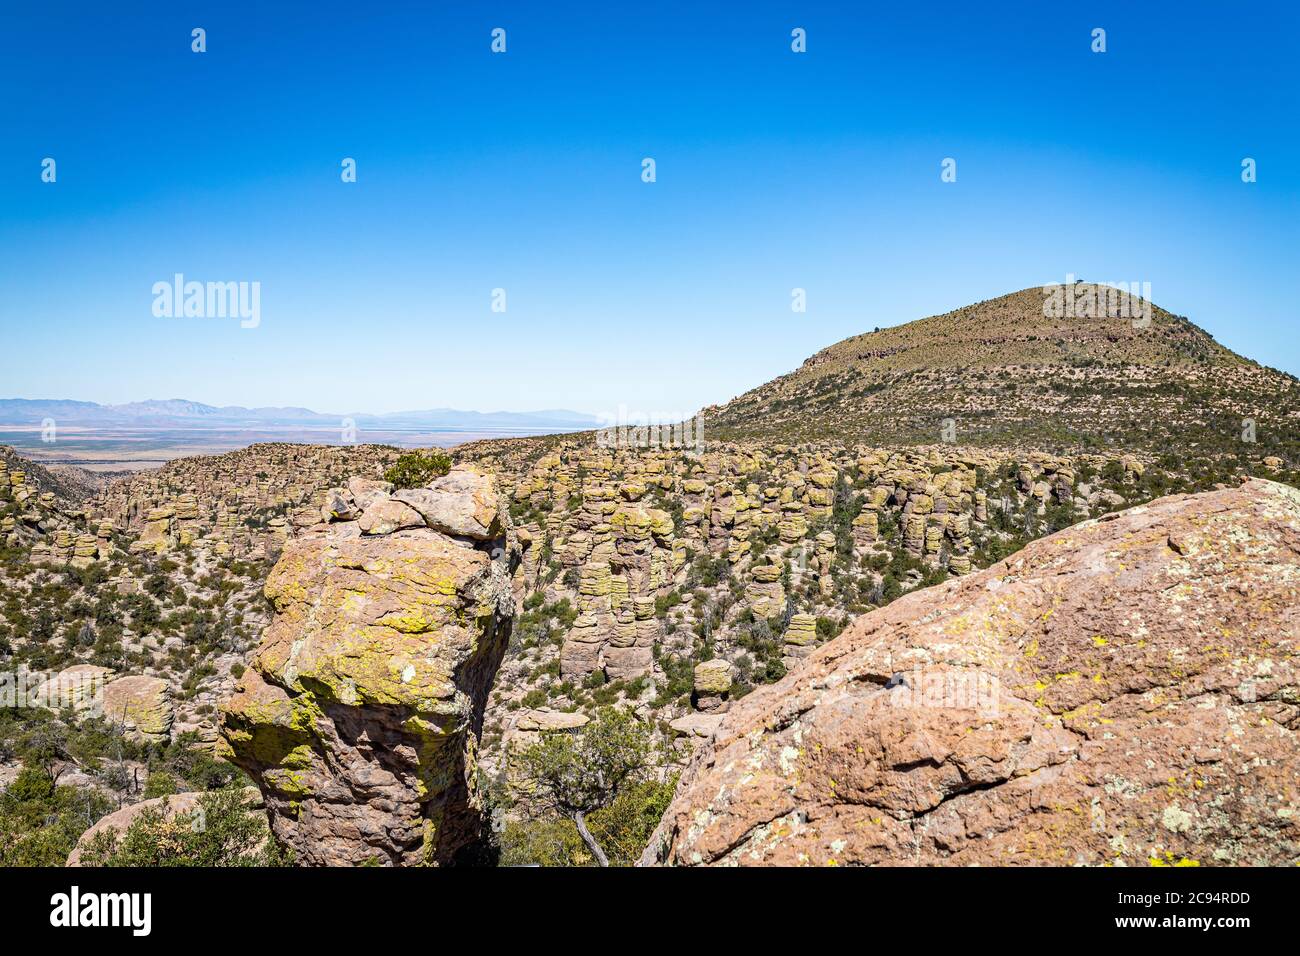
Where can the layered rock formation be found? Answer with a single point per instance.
(237, 505)
(360, 714)
(753, 554)
(140, 705)
(1126, 691)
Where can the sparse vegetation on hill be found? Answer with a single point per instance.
(1008, 376)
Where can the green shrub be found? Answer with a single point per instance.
(416, 469)
(578, 775)
(40, 822)
(223, 831)
(159, 784)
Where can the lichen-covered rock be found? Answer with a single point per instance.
(79, 686)
(802, 630)
(713, 677)
(141, 704)
(360, 716)
(1126, 691)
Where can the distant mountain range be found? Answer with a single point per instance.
(177, 412)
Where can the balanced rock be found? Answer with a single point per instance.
(463, 502)
(713, 677)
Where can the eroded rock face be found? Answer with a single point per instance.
(360, 714)
(1123, 692)
(142, 704)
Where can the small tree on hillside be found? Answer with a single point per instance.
(577, 773)
(45, 748)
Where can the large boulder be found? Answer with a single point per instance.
(1123, 692)
(142, 705)
(463, 502)
(360, 714)
(386, 516)
(79, 687)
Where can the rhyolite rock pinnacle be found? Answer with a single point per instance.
(360, 714)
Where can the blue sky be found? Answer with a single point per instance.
(522, 171)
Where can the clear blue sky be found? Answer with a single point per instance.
(522, 171)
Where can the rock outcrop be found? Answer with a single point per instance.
(1126, 691)
(141, 704)
(360, 714)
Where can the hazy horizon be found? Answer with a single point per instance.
(221, 406)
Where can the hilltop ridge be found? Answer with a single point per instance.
(1022, 371)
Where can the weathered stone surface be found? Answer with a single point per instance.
(463, 502)
(802, 630)
(627, 663)
(696, 725)
(339, 506)
(713, 676)
(1125, 691)
(549, 720)
(142, 704)
(78, 687)
(360, 715)
(388, 515)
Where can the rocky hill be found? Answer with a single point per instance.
(1026, 371)
(1124, 691)
(68, 486)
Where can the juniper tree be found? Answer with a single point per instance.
(576, 773)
